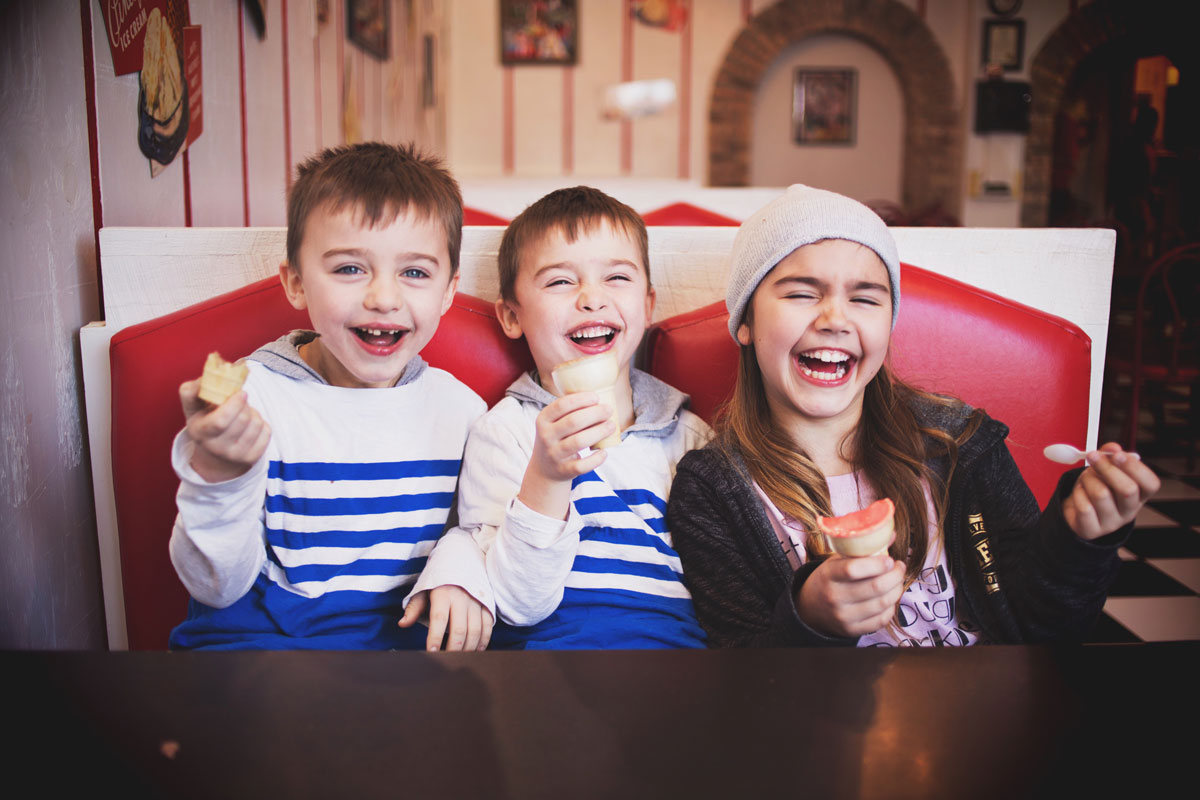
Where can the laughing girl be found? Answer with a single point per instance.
(819, 426)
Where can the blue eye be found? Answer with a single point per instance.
(349, 269)
(415, 272)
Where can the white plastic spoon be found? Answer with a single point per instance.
(1067, 454)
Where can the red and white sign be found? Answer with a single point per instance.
(125, 21)
(192, 74)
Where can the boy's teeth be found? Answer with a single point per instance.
(379, 336)
(593, 332)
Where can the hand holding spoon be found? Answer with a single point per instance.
(1067, 454)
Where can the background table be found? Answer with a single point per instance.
(978, 722)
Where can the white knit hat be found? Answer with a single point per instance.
(802, 215)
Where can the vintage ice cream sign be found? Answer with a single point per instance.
(148, 36)
(126, 24)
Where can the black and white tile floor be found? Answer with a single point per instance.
(1156, 597)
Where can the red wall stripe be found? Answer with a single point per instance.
(242, 100)
(627, 75)
(747, 10)
(339, 14)
(506, 137)
(377, 68)
(187, 190)
(317, 87)
(685, 94)
(89, 86)
(568, 125)
(287, 99)
(187, 171)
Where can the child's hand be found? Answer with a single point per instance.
(229, 438)
(1109, 493)
(454, 616)
(565, 427)
(851, 596)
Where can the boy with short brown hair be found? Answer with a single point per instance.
(574, 539)
(309, 502)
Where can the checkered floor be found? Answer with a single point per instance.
(1156, 597)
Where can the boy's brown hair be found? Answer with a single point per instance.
(379, 180)
(574, 210)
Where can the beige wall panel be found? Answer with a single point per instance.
(264, 122)
(657, 54)
(474, 85)
(537, 120)
(215, 159)
(597, 140)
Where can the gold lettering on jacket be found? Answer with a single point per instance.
(983, 552)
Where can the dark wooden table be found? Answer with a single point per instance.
(979, 722)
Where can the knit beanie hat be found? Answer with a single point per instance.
(802, 215)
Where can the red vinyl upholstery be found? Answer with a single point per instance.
(151, 359)
(687, 214)
(1028, 369)
(473, 216)
(1025, 367)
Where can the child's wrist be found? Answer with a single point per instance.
(546, 496)
(214, 469)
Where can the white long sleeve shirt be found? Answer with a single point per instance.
(606, 577)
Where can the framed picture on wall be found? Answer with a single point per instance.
(1004, 43)
(824, 105)
(368, 26)
(539, 32)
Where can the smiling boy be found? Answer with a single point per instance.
(308, 502)
(575, 544)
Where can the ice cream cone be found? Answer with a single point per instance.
(597, 374)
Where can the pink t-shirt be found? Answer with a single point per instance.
(926, 616)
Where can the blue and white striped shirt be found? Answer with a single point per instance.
(317, 545)
(609, 576)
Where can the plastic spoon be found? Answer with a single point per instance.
(1067, 454)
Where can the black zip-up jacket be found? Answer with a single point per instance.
(1020, 574)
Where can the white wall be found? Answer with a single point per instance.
(49, 575)
(868, 169)
(477, 98)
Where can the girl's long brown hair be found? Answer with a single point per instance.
(890, 449)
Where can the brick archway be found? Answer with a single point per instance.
(1102, 28)
(931, 174)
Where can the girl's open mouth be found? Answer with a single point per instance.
(825, 366)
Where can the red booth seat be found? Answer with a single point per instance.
(1027, 368)
(687, 214)
(473, 216)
